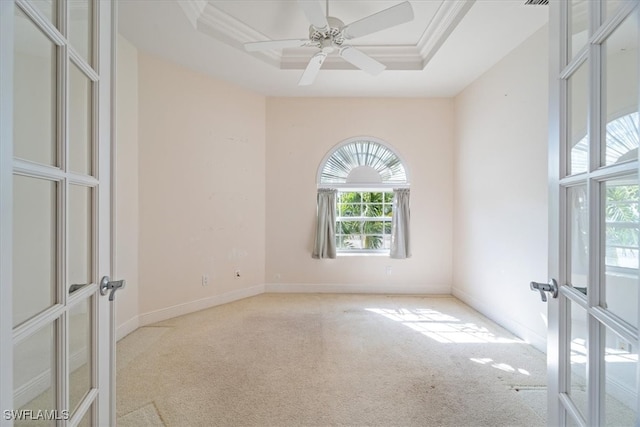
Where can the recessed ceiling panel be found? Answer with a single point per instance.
(284, 19)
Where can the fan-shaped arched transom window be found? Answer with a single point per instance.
(362, 161)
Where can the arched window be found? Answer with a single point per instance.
(362, 160)
(363, 200)
(622, 143)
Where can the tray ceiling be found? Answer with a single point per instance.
(446, 46)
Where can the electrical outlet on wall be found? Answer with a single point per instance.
(205, 280)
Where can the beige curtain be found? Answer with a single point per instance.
(400, 236)
(325, 244)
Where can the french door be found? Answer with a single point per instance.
(593, 341)
(55, 109)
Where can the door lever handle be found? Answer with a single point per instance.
(106, 285)
(551, 287)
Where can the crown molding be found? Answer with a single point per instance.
(446, 19)
(193, 9)
(213, 22)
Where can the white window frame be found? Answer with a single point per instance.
(362, 251)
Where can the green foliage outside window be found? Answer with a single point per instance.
(622, 225)
(363, 220)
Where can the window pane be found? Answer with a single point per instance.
(578, 236)
(578, 26)
(373, 227)
(350, 210)
(364, 233)
(34, 246)
(373, 241)
(80, 242)
(79, 352)
(48, 8)
(612, 6)
(34, 370)
(577, 121)
(373, 210)
(622, 219)
(80, 129)
(620, 89)
(34, 101)
(87, 420)
(578, 357)
(621, 361)
(81, 27)
(387, 227)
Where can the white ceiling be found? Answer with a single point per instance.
(444, 48)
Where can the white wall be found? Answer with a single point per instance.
(127, 188)
(202, 190)
(300, 132)
(500, 190)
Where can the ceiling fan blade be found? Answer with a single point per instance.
(314, 13)
(395, 15)
(361, 60)
(274, 44)
(312, 69)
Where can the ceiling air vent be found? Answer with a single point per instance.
(537, 2)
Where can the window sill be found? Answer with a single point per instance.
(363, 254)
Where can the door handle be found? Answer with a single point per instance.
(106, 285)
(551, 287)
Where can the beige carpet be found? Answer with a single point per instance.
(329, 360)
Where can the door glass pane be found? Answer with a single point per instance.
(34, 246)
(86, 419)
(48, 8)
(33, 375)
(81, 27)
(620, 252)
(577, 389)
(80, 242)
(79, 352)
(612, 6)
(621, 385)
(577, 120)
(578, 26)
(620, 89)
(578, 237)
(570, 421)
(34, 101)
(80, 129)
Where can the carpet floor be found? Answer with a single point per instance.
(330, 360)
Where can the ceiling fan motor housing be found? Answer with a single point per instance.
(333, 34)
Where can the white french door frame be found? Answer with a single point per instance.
(102, 377)
(6, 209)
(559, 316)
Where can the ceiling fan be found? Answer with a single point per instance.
(328, 34)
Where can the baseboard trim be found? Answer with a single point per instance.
(329, 288)
(197, 305)
(42, 382)
(127, 327)
(530, 336)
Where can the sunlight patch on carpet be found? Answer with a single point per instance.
(442, 327)
(501, 366)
